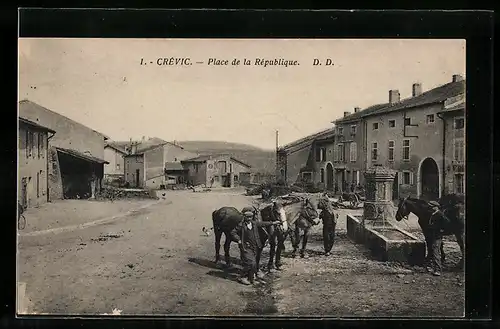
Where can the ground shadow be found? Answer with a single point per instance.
(218, 270)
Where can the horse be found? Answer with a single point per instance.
(453, 209)
(225, 220)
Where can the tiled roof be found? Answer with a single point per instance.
(308, 140)
(142, 145)
(119, 146)
(33, 105)
(35, 125)
(435, 95)
(361, 114)
(82, 156)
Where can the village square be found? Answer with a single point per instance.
(360, 218)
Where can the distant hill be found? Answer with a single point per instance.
(261, 160)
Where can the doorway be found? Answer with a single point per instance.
(429, 180)
(329, 176)
(137, 172)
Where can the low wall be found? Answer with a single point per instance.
(387, 244)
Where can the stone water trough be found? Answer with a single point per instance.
(387, 243)
(372, 229)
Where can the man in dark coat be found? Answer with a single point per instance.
(247, 235)
(329, 219)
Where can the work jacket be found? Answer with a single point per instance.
(250, 238)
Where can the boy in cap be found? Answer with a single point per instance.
(247, 235)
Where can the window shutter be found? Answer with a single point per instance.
(335, 153)
(400, 177)
(411, 177)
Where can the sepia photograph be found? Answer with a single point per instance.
(241, 177)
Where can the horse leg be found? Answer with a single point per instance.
(227, 245)
(461, 243)
(295, 241)
(304, 243)
(272, 252)
(218, 235)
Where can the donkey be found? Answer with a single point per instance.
(424, 211)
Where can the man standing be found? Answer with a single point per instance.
(247, 235)
(329, 219)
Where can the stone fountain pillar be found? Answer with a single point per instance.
(378, 204)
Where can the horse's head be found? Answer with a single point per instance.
(310, 212)
(403, 210)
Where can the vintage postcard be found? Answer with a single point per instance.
(230, 177)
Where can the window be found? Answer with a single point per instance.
(459, 183)
(230, 167)
(307, 177)
(392, 123)
(353, 130)
(196, 167)
(407, 178)
(341, 130)
(430, 118)
(374, 151)
(282, 173)
(320, 154)
(391, 151)
(459, 123)
(32, 144)
(340, 152)
(236, 178)
(406, 149)
(407, 121)
(322, 175)
(353, 152)
(459, 150)
(375, 125)
(117, 166)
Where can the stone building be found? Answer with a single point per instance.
(75, 153)
(33, 163)
(296, 162)
(152, 163)
(114, 153)
(407, 136)
(223, 168)
(349, 150)
(453, 120)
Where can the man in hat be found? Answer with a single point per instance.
(247, 235)
(329, 218)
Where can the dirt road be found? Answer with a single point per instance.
(158, 261)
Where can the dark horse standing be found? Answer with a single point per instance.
(452, 207)
(298, 215)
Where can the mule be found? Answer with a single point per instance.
(453, 209)
(301, 215)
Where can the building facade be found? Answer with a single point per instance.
(114, 155)
(221, 170)
(75, 153)
(453, 120)
(408, 136)
(33, 163)
(154, 163)
(296, 160)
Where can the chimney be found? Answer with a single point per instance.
(393, 96)
(457, 77)
(133, 148)
(416, 89)
(346, 113)
(356, 109)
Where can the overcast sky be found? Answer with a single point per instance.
(100, 83)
